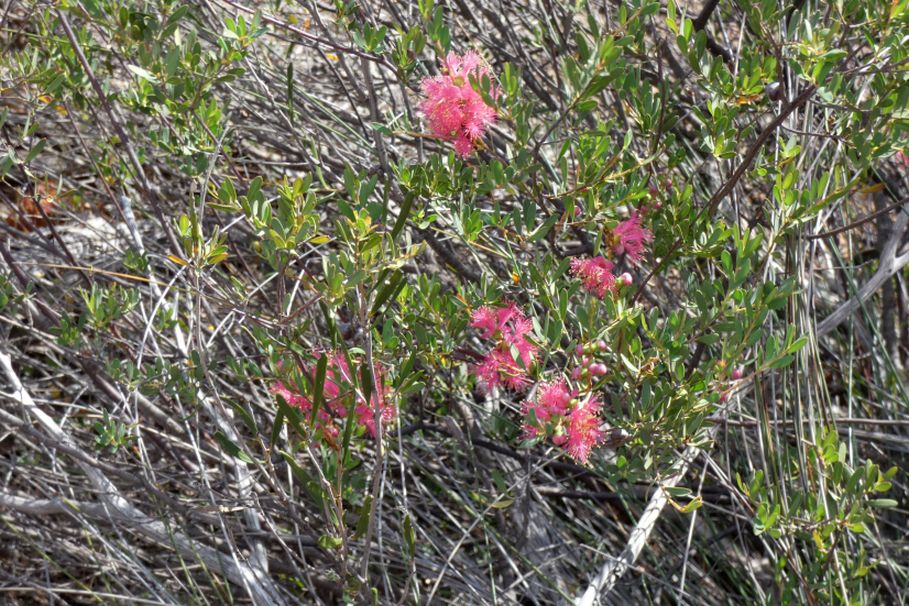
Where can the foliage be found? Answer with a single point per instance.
(425, 302)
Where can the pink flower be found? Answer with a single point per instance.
(455, 111)
(499, 368)
(508, 326)
(336, 390)
(552, 399)
(595, 274)
(574, 426)
(293, 399)
(902, 159)
(365, 412)
(629, 238)
(509, 322)
(487, 320)
(555, 397)
(584, 429)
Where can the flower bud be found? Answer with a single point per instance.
(598, 369)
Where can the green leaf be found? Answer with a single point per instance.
(540, 232)
(402, 215)
(290, 91)
(144, 74)
(677, 492)
(35, 150)
(409, 536)
(318, 386)
(232, 449)
(394, 285)
(363, 519)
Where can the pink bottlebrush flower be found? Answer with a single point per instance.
(293, 399)
(365, 412)
(337, 387)
(455, 111)
(555, 397)
(509, 322)
(509, 327)
(537, 427)
(552, 400)
(487, 320)
(629, 238)
(584, 429)
(500, 368)
(324, 420)
(595, 274)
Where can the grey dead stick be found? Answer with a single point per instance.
(615, 567)
(260, 587)
(890, 263)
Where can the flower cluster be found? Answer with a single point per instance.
(336, 392)
(572, 422)
(628, 238)
(456, 112)
(512, 354)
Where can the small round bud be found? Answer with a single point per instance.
(576, 373)
(598, 369)
(602, 345)
(579, 350)
(738, 373)
(626, 278)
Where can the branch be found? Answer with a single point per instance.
(858, 222)
(613, 570)
(890, 264)
(733, 180)
(260, 587)
(712, 45)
